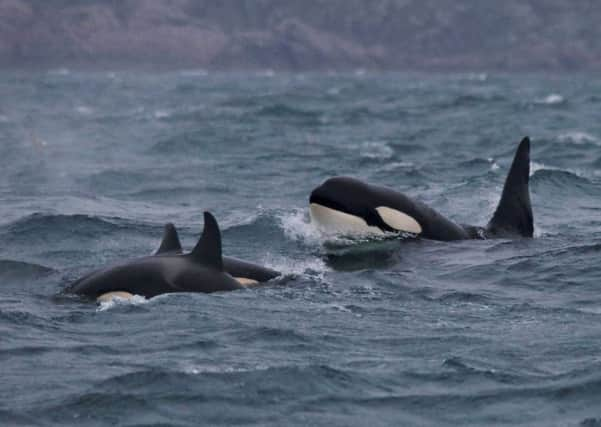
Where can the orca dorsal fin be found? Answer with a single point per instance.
(208, 249)
(170, 242)
(514, 212)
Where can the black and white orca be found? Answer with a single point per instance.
(201, 270)
(349, 206)
(243, 271)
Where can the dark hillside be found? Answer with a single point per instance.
(308, 34)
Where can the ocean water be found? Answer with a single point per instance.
(392, 332)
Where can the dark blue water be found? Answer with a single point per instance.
(496, 332)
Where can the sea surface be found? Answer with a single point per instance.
(392, 332)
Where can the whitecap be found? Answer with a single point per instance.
(551, 99)
(297, 226)
(494, 166)
(161, 114)
(480, 77)
(536, 166)
(195, 369)
(397, 165)
(578, 137)
(240, 218)
(288, 266)
(376, 150)
(119, 301)
(84, 110)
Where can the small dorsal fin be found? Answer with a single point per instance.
(514, 212)
(170, 242)
(208, 249)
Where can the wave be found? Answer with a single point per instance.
(472, 99)
(472, 369)
(551, 99)
(11, 270)
(579, 138)
(468, 100)
(376, 150)
(191, 143)
(479, 164)
(297, 227)
(38, 226)
(536, 167)
(162, 114)
(548, 180)
(84, 110)
(113, 179)
(464, 297)
(283, 111)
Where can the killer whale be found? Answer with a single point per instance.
(243, 271)
(348, 205)
(201, 270)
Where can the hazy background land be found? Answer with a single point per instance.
(303, 35)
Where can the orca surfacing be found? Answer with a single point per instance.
(243, 271)
(350, 206)
(201, 270)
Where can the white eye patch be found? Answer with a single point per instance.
(398, 220)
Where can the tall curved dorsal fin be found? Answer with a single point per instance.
(208, 249)
(514, 212)
(170, 242)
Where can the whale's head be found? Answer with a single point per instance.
(345, 205)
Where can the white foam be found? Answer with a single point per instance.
(161, 114)
(551, 99)
(296, 226)
(578, 137)
(493, 165)
(479, 77)
(239, 218)
(288, 266)
(118, 301)
(84, 110)
(195, 369)
(538, 232)
(535, 166)
(376, 150)
(397, 165)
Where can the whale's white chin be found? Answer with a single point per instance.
(333, 221)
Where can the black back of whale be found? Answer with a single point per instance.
(233, 266)
(199, 271)
(513, 216)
